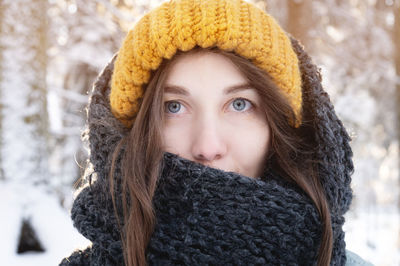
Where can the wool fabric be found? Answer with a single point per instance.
(231, 25)
(207, 216)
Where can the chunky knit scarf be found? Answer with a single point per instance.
(207, 216)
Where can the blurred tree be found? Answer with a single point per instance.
(2, 177)
(84, 37)
(26, 142)
(299, 20)
(396, 41)
(25, 146)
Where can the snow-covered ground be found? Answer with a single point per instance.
(373, 234)
(51, 222)
(84, 34)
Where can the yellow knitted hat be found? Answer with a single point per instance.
(231, 25)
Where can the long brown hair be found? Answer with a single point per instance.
(291, 155)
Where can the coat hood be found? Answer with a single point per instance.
(92, 211)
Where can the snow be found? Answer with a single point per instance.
(354, 52)
(376, 240)
(56, 233)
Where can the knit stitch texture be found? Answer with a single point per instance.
(207, 216)
(231, 25)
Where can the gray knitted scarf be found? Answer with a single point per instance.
(206, 216)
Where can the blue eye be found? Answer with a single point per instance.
(173, 106)
(240, 104)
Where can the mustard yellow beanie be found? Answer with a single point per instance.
(231, 25)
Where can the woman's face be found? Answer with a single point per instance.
(212, 116)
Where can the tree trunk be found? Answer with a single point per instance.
(396, 41)
(299, 19)
(2, 177)
(25, 146)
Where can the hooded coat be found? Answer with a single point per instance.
(207, 216)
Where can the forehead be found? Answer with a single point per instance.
(204, 68)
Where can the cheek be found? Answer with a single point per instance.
(175, 137)
(251, 144)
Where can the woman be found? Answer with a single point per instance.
(212, 142)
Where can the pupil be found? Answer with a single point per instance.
(174, 107)
(239, 104)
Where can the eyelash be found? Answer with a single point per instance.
(246, 100)
(231, 102)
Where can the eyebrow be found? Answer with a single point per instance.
(228, 90)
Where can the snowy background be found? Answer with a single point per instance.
(52, 50)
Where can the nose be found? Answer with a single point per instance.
(208, 143)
